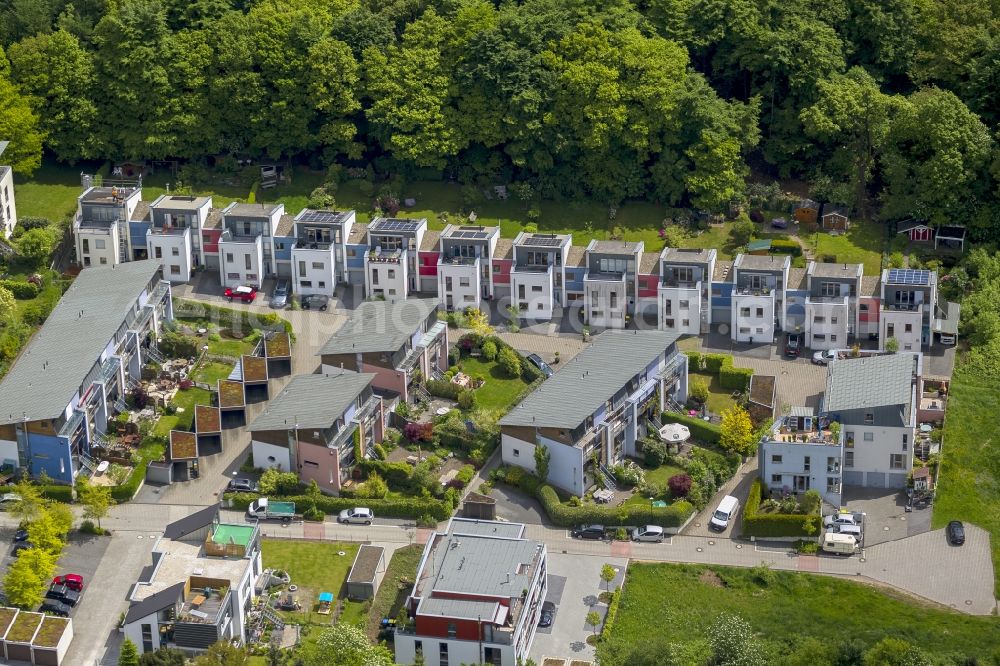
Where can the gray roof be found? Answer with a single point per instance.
(312, 401)
(179, 202)
(161, 600)
(614, 247)
(796, 279)
(493, 528)
(140, 212)
(486, 566)
(799, 410)
(576, 255)
(589, 380)
(487, 611)
(192, 523)
(58, 358)
(873, 381)
(380, 326)
(649, 263)
(762, 262)
(681, 255)
(835, 270)
(946, 317)
(252, 210)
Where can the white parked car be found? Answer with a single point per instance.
(824, 357)
(8, 500)
(648, 533)
(843, 518)
(356, 516)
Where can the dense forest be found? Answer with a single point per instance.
(890, 106)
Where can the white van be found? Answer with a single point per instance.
(726, 510)
(841, 544)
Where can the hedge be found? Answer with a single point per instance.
(702, 430)
(714, 362)
(126, 491)
(730, 377)
(394, 473)
(409, 507)
(609, 617)
(58, 493)
(628, 514)
(763, 525)
(442, 388)
(242, 321)
(694, 361)
(736, 379)
(786, 246)
(20, 289)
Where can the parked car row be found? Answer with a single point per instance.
(644, 533)
(63, 595)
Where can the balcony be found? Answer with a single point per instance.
(343, 437)
(808, 437)
(168, 231)
(531, 268)
(753, 291)
(604, 277)
(306, 244)
(380, 256)
(674, 283)
(901, 307)
(458, 261)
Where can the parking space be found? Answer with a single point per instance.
(574, 587)
(738, 487)
(886, 518)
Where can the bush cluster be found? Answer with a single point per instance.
(629, 514)
(730, 377)
(442, 388)
(760, 525)
(404, 507)
(20, 289)
(785, 246)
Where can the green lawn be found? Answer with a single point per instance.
(210, 372)
(230, 348)
(862, 244)
(662, 474)
(499, 391)
(392, 593)
(668, 603)
(315, 567)
(719, 399)
(186, 399)
(51, 193)
(969, 481)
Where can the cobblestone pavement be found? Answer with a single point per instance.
(799, 381)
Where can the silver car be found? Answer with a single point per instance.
(279, 298)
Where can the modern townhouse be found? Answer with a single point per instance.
(597, 407)
(173, 235)
(874, 401)
(757, 309)
(319, 251)
(465, 266)
(199, 587)
(832, 314)
(57, 398)
(246, 247)
(611, 285)
(398, 342)
(538, 274)
(8, 209)
(684, 290)
(477, 598)
(101, 232)
(312, 426)
(908, 300)
(391, 257)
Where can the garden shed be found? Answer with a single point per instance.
(479, 507)
(835, 218)
(366, 573)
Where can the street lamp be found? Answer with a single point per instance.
(651, 508)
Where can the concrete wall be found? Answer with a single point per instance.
(387, 279)
(874, 455)
(95, 254)
(320, 463)
(465, 285)
(313, 271)
(533, 293)
(758, 325)
(673, 299)
(898, 320)
(827, 324)
(778, 475)
(233, 262)
(175, 254)
(602, 292)
(263, 452)
(8, 209)
(565, 462)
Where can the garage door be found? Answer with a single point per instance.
(895, 480)
(876, 480)
(854, 478)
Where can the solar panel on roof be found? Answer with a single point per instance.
(480, 235)
(544, 241)
(909, 276)
(395, 225)
(327, 216)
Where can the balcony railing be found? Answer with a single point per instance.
(385, 256)
(306, 244)
(828, 300)
(679, 284)
(902, 307)
(531, 268)
(458, 261)
(753, 291)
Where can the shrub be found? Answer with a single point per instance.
(419, 432)
(806, 547)
(609, 617)
(654, 452)
(442, 388)
(698, 390)
(465, 475)
(773, 524)
(374, 488)
(786, 246)
(694, 361)
(701, 430)
(734, 379)
(509, 361)
(57, 493)
(714, 362)
(20, 289)
(489, 350)
(178, 346)
(379, 451)
(467, 399)
(88, 527)
(276, 482)
(680, 485)
(629, 514)
(743, 232)
(396, 507)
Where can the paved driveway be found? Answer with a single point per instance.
(885, 515)
(738, 487)
(575, 584)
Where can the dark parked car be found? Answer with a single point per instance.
(793, 344)
(54, 607)
(64, 594)
(547, 614)
(315, 302)
(596, 532)
(21, 546)
(956, 533)
(20, 535)
(242, 486)
(537, 361)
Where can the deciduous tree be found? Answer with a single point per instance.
(345, 645)
(736, 431)
(28, 577)
(96, 500)
(18, 124)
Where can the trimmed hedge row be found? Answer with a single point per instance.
(58, 493)
(629, 514)
(609, 617)
(394, 473)
(242, 321)
(21, 290)
(703, 430)
(126, 491)
(762, 525)
(730, 377)
(410, 507)
(736, 379)
(442, 388)
(786, 246)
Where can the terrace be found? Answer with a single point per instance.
(205, 600)
(793, 430)
(458, 261)
(381, 256)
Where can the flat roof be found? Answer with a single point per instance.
(109, 195)
(766, 262)
(494, 528)
(252, 210)
(835, 270)
(683, 255)
(314, 216)
(908, 276)
(614, 247)
(312, 401)
(396, 225)
(47, 375)
(542, 240)
(868, 382)
(486, 566)
(366, 563)
(469, 232)
(380, 326)
(590, 379)
(180, 202)
(182, 559)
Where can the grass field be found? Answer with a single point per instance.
(719, 399)
(667, 603)
(51, 193)
(399, 576)
(315, 567)
(969, 480)
(210, 372)
(499, 391)
(862, 244)
(186, 399)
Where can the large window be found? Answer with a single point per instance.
(608, 265)
(896, 461)
(830, 289)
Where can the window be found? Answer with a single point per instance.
(520, 291)
(869, 417)
(321, 284)
(305, 283)
(280, 246)
(896, 460)
(744, 312)
(806, 463)
(776, 459)
(351, 252)
(104, 261)
(890, 330)
(86, 245)
(819, 319)
(443, 655)
(683, 274)
(147, 638)
(685, 322)
(848, 458)
(906, 439)
(232, 276)
(613, 265)
(819, 337)
(375, 277)
(318, 265)
(833, 338)
(175, 251)
(833, 320)
(539, 307)
(157, 252)
(849, 439)
(669, 323)
(229, 257)
(418, 648)
(614, 300)
(517, 453)
(595, 299)
(496, 268)
(100, 243)
(829, 289)
(392, 292)
(175, 270)
(669, 306)
(452, 630)
(302, 267)
(908, 328)
(869, 437)
(863, 307)
(534, 290)
(760, 330)
(684, 305)
(391, 273)
(760, 312)
(776, 478)
(463, 282)
(310, 464)
(745, 329)
(246, 261)
(756, 281)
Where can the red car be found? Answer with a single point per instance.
(244, 293)
(72, 581)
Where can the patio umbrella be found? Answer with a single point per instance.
(675, 433)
